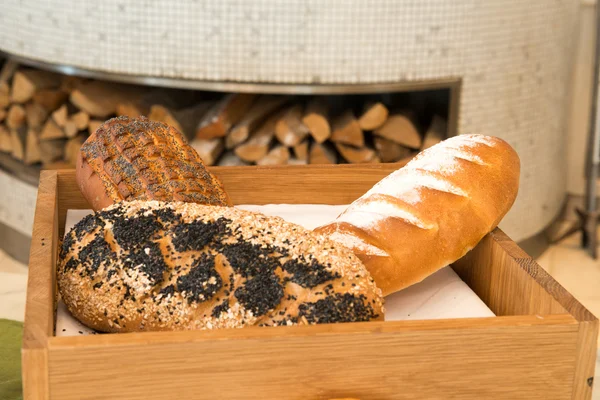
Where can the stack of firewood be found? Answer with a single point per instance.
(45, 118)
(36, 123)
(244, 129)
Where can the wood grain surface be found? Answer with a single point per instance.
(512, 283)
(314, 184)
(469, 359)
(39, 307)
(541, 345)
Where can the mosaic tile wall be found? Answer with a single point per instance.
(514, 57)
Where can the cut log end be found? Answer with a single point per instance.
(316, 119)
(5, 140)
(236, 136)
(32, 148)
(51, 131)
(52, 150)
(347, 131)
(208, 150)
(223, 115)
(162, 114)
(322, 154)
(436, 133)
(400, 129)
(4, 95)
(60, 116)
(289, 129)
(373, 116)
(50, 99)
(251, 152)
(27, 82)
(301, 151)
(72, 149)
(229, 159)
(251, 121)
(16, 116)
(277, 156)
(357, 155)
(36, 115)
(18, 139)
(100, 99)
(390, 151)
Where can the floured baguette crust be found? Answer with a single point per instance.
(431, 212)
(148, 266)
(138, 159)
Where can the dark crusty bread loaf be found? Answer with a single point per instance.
(138, 159)
(148, 265)
(431, 212)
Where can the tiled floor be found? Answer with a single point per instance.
(13, 283)
(566, 262)
(575, 270)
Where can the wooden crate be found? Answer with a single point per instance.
(541, 345)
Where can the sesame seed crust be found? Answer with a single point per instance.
(151, 266)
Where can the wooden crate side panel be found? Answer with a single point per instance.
(520, 286)
(292, 184)
(565, 300)
(315, 184)
(512, 283)
(69, 197)
(254, 333)
(544, 280)
(34, 366)
(318, 184)
(585, 364)
(366, 361)
(39, 307)
(508, 284)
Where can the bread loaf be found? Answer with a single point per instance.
(431, 212)
(148, 265)
(138, 159)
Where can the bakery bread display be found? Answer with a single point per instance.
(138, 159)
(150, 265)
(431, 212)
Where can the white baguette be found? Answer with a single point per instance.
(431, 212)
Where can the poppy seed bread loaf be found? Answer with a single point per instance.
(149, 265)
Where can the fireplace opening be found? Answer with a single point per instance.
(46, 116)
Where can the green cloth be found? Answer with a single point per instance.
(11, 333)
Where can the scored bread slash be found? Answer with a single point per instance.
(447, 198)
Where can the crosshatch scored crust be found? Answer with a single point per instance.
(139, 159)
(148, 265)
